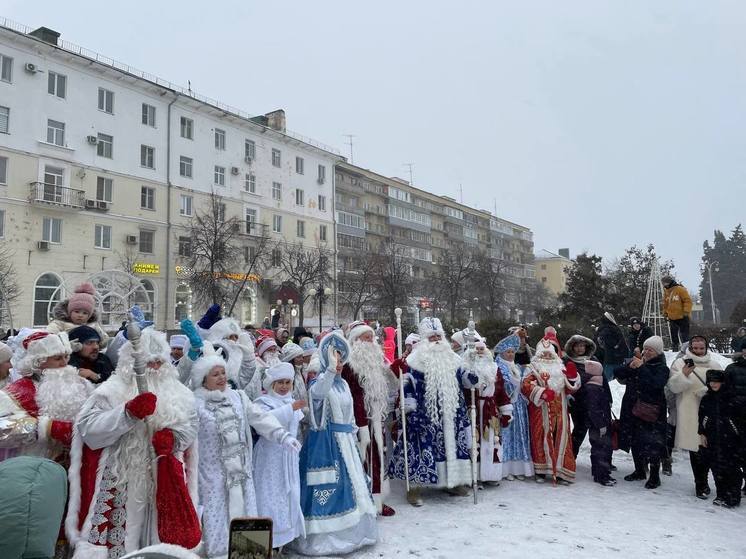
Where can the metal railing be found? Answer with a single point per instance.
(58, 195)
(105, 60)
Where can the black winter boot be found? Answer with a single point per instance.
(654, 480)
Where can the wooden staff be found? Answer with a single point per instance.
(475, 431)
(397, 312)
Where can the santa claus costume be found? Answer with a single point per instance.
(38, 409)
(133, 471)
(516, 443)
(438, 430)
(547, 385)
(370, 380)
(226, 416)
(494, 410)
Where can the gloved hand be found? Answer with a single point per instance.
(212, 315)
(187, 326)
(571, 371)
(291, 443)
(602, 431)
(410, 404)
(61, 431)
(163, 442)
(505, 420)
(548, 395)
(142, 405)
(473, 378)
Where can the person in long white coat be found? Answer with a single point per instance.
(276, 474)
(226, 416)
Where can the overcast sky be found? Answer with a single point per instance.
(598, 124)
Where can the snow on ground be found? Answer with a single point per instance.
(522, 519)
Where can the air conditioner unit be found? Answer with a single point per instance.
(248, 159)
(42, 245)
(93, 140)
(234, 170)
(102, 205)
(131, 239)
(90, 204)
(31, 68)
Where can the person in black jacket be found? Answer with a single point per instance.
(590, 407)
(638, 333)
(614, 344)
(735, 375)
(644, 378)
(87, 357)
(739, 339)
(721, 438)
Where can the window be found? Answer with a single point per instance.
(221, 213)
(185, 166)
(219, 175)
(4, 120)
(183, 302)
(276, 157)
(250, 221)
(146, 241)
(105, 145)
(276, 191)
(57, 84)
(6, 68)
(399, 194)
(148, 115)
(147, 198)
(54, 182)
(105, 100)
(185, 206)
(2, 224)
(249, 149)
(322, 233)
(144, 299)
(300, 229)
(249, 184)
(102, 236)
(299, 165)
(348, 241)
(322, 174)
(104, 188)
(219, 138)
(351, 220)
(55, 132)
(147, 156)
(277, 224)
(187, 127)
(51, 230)
(322, 203)
(249, 254)
(298, 196)
(46, 295)
(453, 212)
(276, 257)
(185, 246)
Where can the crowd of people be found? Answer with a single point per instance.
(165, 440)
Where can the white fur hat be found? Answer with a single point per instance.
(179, 340)
(281, 371)
(545, 345)
(206, 363)
(655, 343)
(290, 351)
(458, 337)
(412, 339)
(154, 347)
(223, 328)
(430, 326)
(263, 344)
(38, 347)
(314, 365)
(357, 329)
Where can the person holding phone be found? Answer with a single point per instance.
(688, 382)
(226, 417)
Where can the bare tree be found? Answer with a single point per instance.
(257, 252)
(357, 283)
(393, 280)
(489, 284)
(450, 282)
(304, 268)
(10, 290)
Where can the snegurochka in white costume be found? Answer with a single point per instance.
(226, 416)
(335, 498)
(275, 465)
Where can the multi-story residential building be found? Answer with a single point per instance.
(551, 269)
(372, 208)
(103, 168)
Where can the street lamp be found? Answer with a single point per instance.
(285, 305)
(321, 293)
(709, 266)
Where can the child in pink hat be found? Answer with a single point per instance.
(77, 310)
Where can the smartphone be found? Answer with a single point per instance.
(250, 538)
(689, 362)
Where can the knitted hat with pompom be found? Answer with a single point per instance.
(82, 299)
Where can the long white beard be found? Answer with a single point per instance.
(483, 365)
(367, 362)
(555, 369)
(438, 363)
(271, 359)
(62, 393)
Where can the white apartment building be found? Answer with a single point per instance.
(102, 167)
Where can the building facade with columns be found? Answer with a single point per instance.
(103, 168)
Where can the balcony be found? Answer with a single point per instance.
(54, 195)
(254, 229)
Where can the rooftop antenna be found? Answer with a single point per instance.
(461, 193)
(411, 179)
(349, 143)
(495, 201)
(189, 86)
(652, 312)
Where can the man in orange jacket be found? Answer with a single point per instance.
(677, 306)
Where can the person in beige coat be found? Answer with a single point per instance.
(688, 382)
